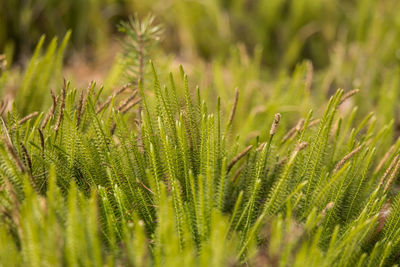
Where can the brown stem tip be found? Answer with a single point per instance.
(232, 114)
(340, 164)
(275, 124)
(348, 95)
(394, 173)
(238, 157)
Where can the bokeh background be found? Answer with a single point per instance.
(288, 30)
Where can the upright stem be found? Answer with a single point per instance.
(140, 83)
(141, 74)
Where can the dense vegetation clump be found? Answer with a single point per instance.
(159, 172)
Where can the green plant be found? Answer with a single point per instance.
(89, 182)
(184, 193)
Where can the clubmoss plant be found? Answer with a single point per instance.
(83, 184)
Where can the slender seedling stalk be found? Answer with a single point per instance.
(115, 94)
(62, 106)
(389, 170)
(348, 95)
(347, 157)
(394, 173)
(233, 110)
(385, 158)
(238, 157)
(52, 110)
(28, 117)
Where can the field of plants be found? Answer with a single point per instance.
(200, 133)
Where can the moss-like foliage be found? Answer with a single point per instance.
(156, 175)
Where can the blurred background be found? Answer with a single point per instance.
(287, 30)
(296, 52)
